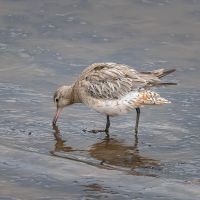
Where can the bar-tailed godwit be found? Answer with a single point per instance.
(112, 89)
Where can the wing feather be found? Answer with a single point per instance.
(109, 81)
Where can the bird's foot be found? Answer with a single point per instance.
(93, 131)
(97, 131)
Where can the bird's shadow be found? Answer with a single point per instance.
(111, 152)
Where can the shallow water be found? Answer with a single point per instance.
(44, 44)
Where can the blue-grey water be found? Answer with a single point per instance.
(44, 44)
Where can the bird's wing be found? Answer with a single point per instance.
(109, 81)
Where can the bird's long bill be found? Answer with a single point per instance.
(58, 111)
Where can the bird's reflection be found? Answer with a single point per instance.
(60, 143)
(114, 152)
(111, 152)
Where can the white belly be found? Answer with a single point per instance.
(116, 106)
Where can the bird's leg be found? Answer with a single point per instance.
(137, 120)
(107, 126)
(106, 130)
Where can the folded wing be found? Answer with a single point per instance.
(110, 81)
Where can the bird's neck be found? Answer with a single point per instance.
(74, 95)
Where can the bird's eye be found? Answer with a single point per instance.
(56, 99)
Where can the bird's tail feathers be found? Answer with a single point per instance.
(163, 72)
(163, 84)
(160, 72)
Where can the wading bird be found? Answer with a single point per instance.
(112, 89)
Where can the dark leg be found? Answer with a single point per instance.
(106, 130)
(137, 120)
(107, 126)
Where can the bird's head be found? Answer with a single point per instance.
(62, 98)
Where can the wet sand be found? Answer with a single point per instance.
(44, 44)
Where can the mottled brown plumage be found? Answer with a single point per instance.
(112, 89)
